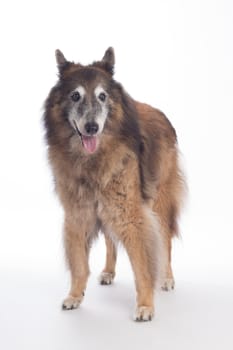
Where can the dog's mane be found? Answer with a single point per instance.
(129, 128)
(132, 134)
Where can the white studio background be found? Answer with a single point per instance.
(176, 55)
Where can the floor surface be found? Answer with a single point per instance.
(198, 314)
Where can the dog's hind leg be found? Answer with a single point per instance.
(168, 282)
(162, 208)
(108, 273)
(167, 207)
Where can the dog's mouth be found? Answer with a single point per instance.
(90, 143)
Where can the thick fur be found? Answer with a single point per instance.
(131, 188)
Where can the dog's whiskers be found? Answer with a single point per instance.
(76, 128)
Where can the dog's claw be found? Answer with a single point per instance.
(168, 284)
(71, 303)
(144, 313)
(106, 278)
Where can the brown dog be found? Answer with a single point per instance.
(115, 164)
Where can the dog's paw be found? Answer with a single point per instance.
(71, 302)
(144, 313)
(106, 278)
(168, 284)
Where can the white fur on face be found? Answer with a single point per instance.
(101, 118)
(73, 114)
(81, 90)
(98, 90)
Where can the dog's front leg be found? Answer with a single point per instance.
(78, 235)
(138, 229)
(142, 243)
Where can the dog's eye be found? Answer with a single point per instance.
(102, 96)
(75, 96)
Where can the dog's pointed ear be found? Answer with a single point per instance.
(109, 57)
(61, 60)
(108, 60)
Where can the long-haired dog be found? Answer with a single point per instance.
(115, 165)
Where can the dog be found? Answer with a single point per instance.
(116, 171)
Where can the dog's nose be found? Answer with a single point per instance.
(91, 128)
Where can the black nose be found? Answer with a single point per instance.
(91, 128)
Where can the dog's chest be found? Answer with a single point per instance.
(94, 179)
(89, 180)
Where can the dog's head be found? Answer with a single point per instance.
(85, 99)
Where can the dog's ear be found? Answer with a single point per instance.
(109, 57)
(108, 61)
(61, 61)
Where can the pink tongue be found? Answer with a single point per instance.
(89, 143)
